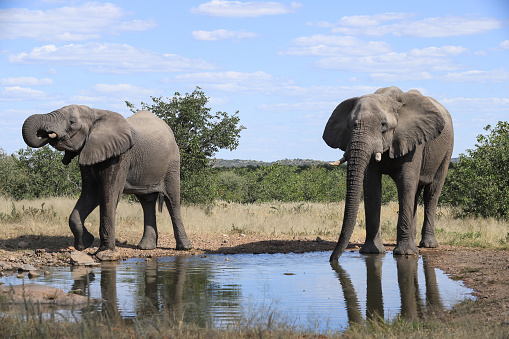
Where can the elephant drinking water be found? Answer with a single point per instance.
(137, 155)
(407, 136)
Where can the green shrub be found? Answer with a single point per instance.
(479, 183)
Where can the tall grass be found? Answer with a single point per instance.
(49, 217)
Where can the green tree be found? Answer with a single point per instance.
(479, 183)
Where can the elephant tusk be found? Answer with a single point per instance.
(52, 135)
(378, 156)
(338, 162)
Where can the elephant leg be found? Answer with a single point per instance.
(172, 200)
(372, 205)
(112, 176)
(407, 190)
(87, 202)
(149, 239)
(431, 195)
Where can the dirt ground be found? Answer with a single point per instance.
(485, 271)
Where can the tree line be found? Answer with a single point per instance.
(477, 185)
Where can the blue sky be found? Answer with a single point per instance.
(284, 65)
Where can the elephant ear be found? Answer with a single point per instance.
(337, 133)
(419, 121)
(109, 136)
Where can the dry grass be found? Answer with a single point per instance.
(49, 217)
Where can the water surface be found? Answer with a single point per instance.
(302, 290)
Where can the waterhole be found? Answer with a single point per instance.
(300, 290)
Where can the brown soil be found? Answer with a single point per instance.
(485, 271)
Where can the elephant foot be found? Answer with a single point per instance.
(429, 241)
(87, 239)
(406, 248)
(184, 245)
(147, 244)
(149, 239)
(372, 247)
(108, 255)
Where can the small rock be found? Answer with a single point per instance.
(242, 235)
(27, 267)
(81, 259)
(227, 259)
(318, 239)
(108, 255)
(22, 244)
(33, 275)
(46, 273)
(5, 266)
(20, 276)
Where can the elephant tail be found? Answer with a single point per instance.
(160, 201)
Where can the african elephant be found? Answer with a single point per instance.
(407, 136)
(137, 155)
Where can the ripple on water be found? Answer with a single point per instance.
(302, 289)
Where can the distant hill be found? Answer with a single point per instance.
(245, 163)
(294, 162)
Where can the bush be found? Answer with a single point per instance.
(479, 183)
(37, 173)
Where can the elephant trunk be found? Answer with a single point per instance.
(33, 128)
(359, 157)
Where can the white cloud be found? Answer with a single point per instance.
(438, 51)
(135, 26)
(491, 105)
(313, 106)
(26, 81)
(87, 21)
(123, 89)
(391, 63)
(234, 81)
(237, 9)
(353, 54)
(17, 93)
(392, 77)
(334, 45)
(266, 83)
(109, 58)
(222, 34)
(497, 75)
(504, 44)
(402, 25)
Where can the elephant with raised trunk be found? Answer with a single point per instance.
(137, 155)
(405, 135)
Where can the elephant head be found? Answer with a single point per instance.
(94, 134)
(387, 124)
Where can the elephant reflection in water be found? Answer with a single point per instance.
(170, 300)
(84, 276)
(412, 306)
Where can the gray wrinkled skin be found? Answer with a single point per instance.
(137, 155)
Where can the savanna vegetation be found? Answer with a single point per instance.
(477, 185)
(273, 200)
